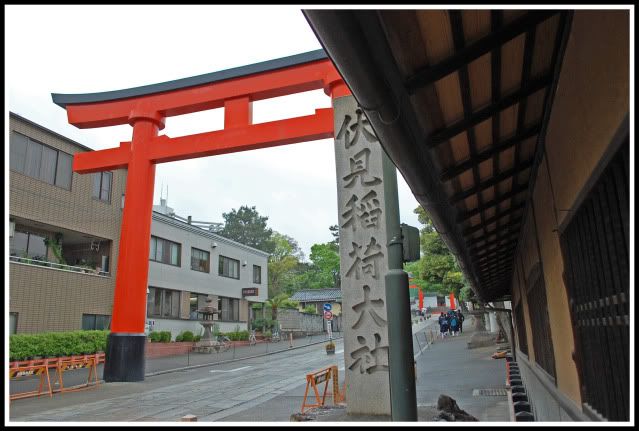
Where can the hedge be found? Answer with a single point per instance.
(54, 344)
(160, 336)
(238, 335)
(185, 336)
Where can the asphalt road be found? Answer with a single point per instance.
(267, 388)
(211, 392)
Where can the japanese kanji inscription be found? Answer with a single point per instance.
(363, 258)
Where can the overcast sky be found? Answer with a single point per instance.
(85, 49)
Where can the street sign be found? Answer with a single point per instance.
(328, 307)
(328, 315)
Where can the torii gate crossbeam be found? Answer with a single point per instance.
(146, 108)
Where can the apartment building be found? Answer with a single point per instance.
(64, 234)
(64, 240)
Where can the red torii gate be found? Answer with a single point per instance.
(145, 108)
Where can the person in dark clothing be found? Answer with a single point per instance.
(453, 322)
(461, 318)
(443, 325)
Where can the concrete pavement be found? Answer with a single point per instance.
(211, 392)
(271, 388)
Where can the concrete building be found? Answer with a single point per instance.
(511, 127)
(64, 239)
(64, 234)
(189, 262)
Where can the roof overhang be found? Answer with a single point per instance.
(459, 100)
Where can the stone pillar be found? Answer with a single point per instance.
(492, 316)
(363, 259)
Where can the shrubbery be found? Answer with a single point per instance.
(238, 335)
(160, 336)
(260, 323)
(310, 309)
(185, 336)
(53, 344)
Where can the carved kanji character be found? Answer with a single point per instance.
(359, 128)
(368, 306)
(359, 169)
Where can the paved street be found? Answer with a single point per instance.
(271, 388)
(211, 393)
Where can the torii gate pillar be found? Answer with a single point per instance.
(124, 358)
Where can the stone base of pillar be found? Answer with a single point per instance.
(124, 358)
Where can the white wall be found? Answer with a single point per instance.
(184, 278)
(177, 326)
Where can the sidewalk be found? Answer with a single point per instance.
(445, 367)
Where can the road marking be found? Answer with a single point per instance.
(339, 351)
(229, 371)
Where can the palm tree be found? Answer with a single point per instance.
(279, 301)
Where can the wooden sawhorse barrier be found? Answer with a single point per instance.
(325, 375)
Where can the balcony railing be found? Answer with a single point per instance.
(59, 266)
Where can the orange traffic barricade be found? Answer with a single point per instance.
(322, 376)
(39, 368)
(78, 362)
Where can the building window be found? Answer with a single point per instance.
(229, 309)
(95, 322)
(257, 274)
(28, 245)
(596, 252)
(165, 251)
(539, 321)
(163, 303)
(229, 267)
(200, 260)
(39, 161)
(102, 186)
(13, 323)
(197, 301)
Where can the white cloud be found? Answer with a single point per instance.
(78, 49)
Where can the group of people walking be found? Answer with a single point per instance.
(451, 323)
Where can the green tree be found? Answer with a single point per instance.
(280, 301)
(437, 267)
(325, 258)
(246, 226)
(335, 232)
(283, 263)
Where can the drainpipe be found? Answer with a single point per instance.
(400, 352)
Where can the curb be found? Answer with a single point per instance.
(190, 367)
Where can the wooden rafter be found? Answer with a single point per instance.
(514, 191)
(497, 217)
(492, 151)
(442, 135)
(490, 182)
(484, 45)
(464, 84)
